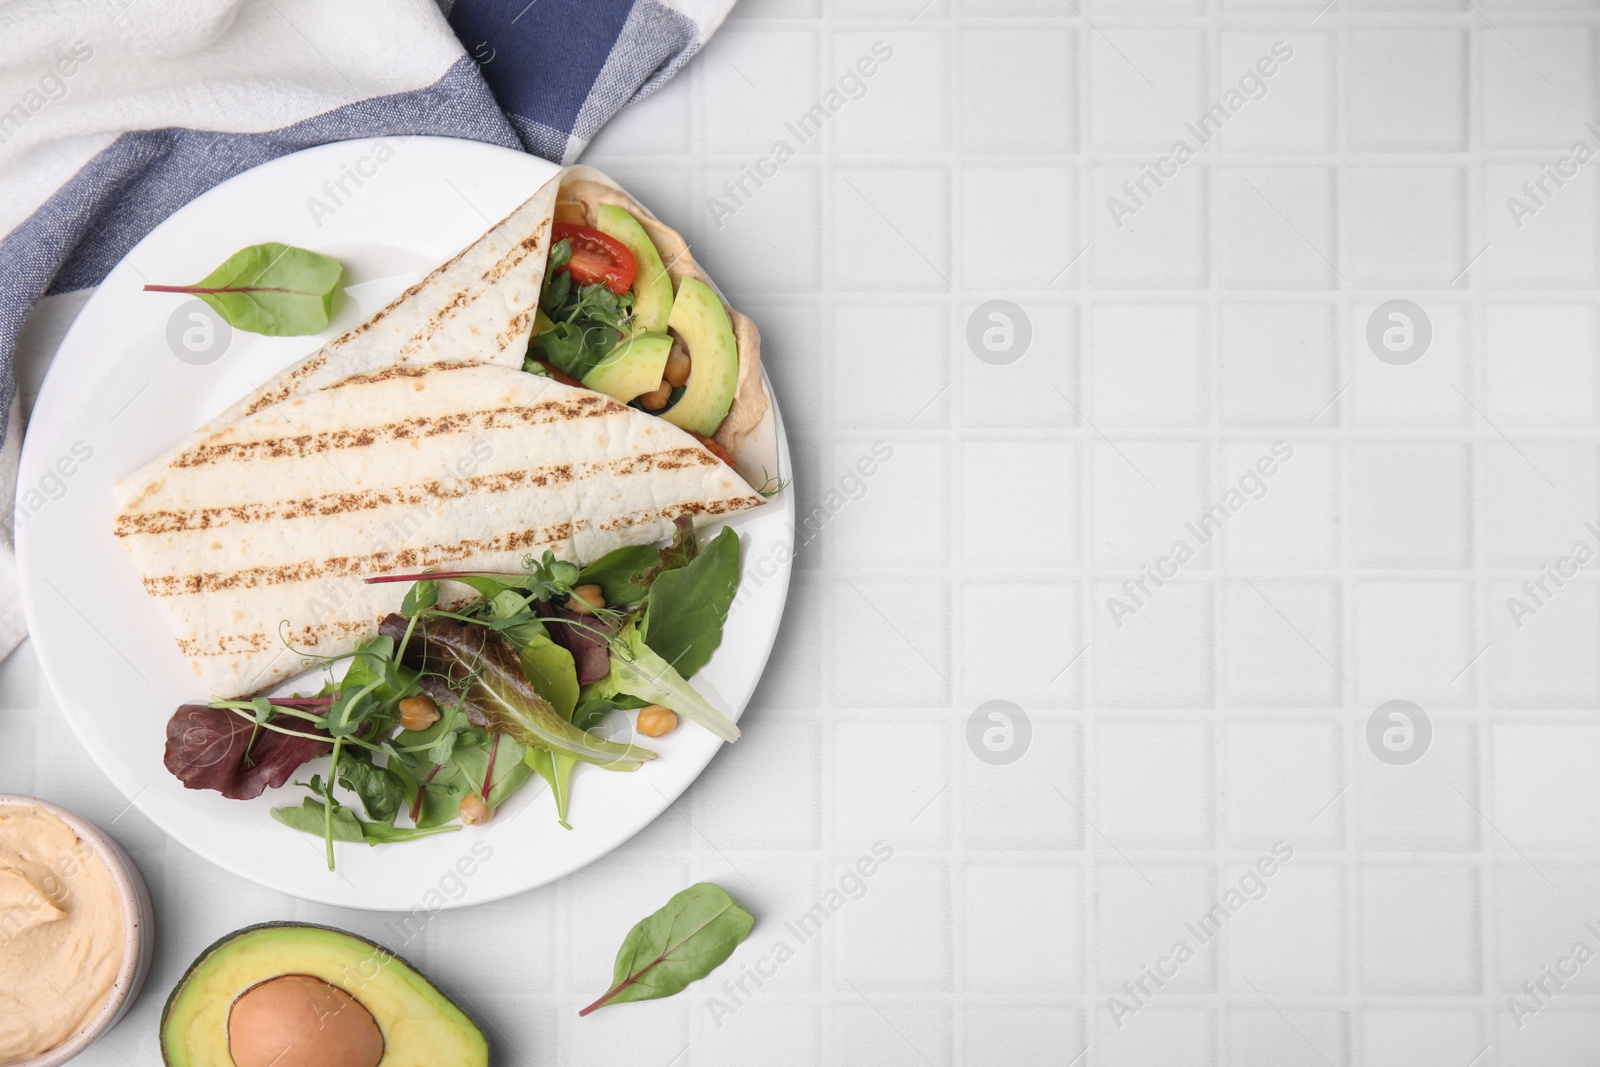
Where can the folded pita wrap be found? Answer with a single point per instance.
(256, 537)
(416, 440)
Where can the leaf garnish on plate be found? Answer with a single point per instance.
(273, 289)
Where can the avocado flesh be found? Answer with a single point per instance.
(420, 1025)
(652, 285)
(699, 318)
(633, 367)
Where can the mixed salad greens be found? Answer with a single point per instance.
(582, 323)
(520, 680)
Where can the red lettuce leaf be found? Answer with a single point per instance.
(587, 637)
(210, 748)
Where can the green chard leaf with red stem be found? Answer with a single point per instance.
(686, 940)
(273, 289)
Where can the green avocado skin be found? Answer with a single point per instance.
(474, 1050)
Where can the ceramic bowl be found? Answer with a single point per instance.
(138, 924)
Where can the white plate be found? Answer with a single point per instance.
(116, 396)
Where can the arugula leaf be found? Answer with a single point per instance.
(476, 668)
(273, 289)
(687, 607)
(637, 670)
(686, 940)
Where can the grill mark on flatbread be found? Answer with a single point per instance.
(642, 518)
(370, 563)
(567, 409)
(553, 475)
(261, 640)
(291, 380)
(516, 328)
(401, 370)
(524, 248)
(374, 563)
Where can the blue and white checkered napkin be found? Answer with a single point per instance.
(114, 113)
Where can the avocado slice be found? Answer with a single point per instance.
(652, 285)
(633, 367)
(701, 321)
(419, 1024)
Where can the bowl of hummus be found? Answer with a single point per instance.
(76, 933)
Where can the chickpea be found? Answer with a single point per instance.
(586, 598)
(657, 398)
(418, 713)
(656, 721)
(678, 366)
(474, 812)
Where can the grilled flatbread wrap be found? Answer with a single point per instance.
(256, 536)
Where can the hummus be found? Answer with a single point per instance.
(61, 932)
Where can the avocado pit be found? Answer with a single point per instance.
(297, 1020)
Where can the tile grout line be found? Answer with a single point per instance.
(1083, 677)
(1476, 206)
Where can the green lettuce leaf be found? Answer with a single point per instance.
(639, 672)
(688, 605)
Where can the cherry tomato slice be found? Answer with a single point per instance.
(596, 257)
(714, 448)
(560, 376)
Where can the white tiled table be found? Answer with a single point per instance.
(1229, 708)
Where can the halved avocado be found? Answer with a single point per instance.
(633, 367)
(652, 285)
(701, 321)
(419, 1024)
